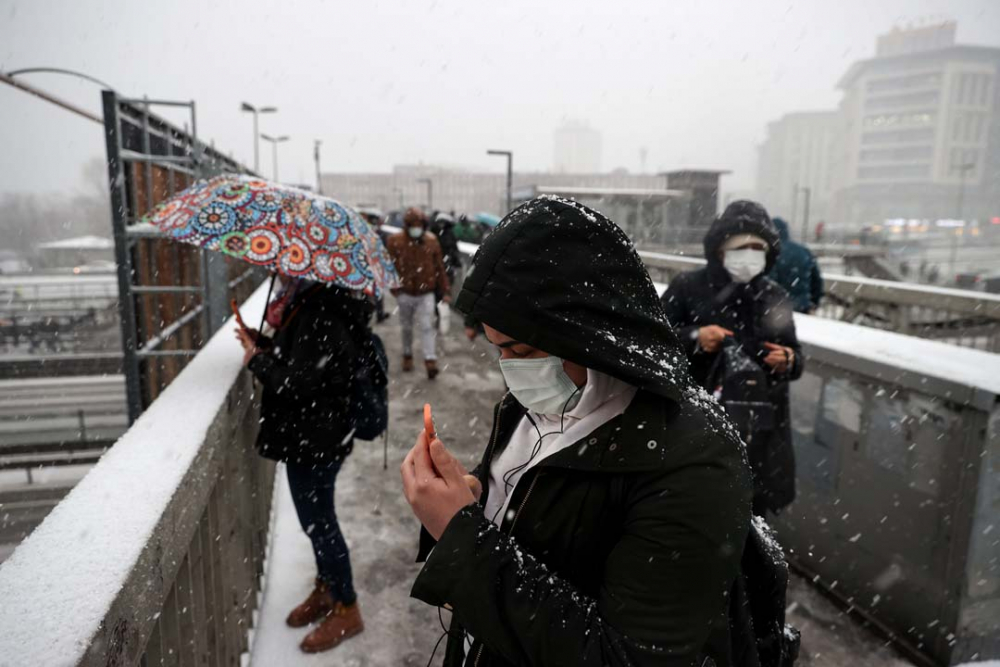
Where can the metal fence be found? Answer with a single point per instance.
(172, 297)
(959, 317)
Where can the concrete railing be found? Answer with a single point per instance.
(155, 557)
(959, 317)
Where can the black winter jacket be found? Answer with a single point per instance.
(756, 312)
(307, 376)
(623, 548)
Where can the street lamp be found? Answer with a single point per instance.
(805, 218)
(319, 181)
(510, 173)
(246, 106)
(274, 150)
(430, 192)
(963, 169)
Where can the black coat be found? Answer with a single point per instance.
(756, 312)
(307, 376)
(623, 548)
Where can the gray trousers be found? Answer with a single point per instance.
(422, 308)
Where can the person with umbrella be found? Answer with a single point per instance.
(605, 522)
(329, 266)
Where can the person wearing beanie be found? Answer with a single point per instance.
(732, 298)
(605, 522)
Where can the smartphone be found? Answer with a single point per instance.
(429, 423)
(239, 318)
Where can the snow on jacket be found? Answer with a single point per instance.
(419, 263)
(622, 548)
(797, 271)
(307, 374)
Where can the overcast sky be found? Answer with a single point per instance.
(383, 83)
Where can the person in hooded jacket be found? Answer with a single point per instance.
(733, 297)
(605, 521)
(307, 371)
(797, 271)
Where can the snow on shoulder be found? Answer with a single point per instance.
(62, 581)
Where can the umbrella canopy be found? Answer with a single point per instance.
(293, 232)
(488, 219)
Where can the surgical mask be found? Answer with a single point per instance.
(744, 265)
(540, 385)
(415, 232)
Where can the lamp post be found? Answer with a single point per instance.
(510, 173)
(246, 106)
(805, 217)
(430, 192)
(963, 169)
(319, 181)
(274, 150)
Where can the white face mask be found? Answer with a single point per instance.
(415, 232)
(743, 265)
(540, 385)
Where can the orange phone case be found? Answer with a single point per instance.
(429, 423)
(236, 312)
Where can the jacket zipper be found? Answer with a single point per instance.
(510, 532)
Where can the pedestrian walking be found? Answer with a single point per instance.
(308, 370)
(797, 270)
(605, 521)
(731, 300)
(417, 256)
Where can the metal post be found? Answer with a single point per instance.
(805, 216)
(430, 192)
(962, 170)
(256, 144)
(795, 204)
(123, 262)
(319, 180)
(274, 156)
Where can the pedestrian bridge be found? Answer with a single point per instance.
(180, 547)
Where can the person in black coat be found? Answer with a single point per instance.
(732, 297)
(307, 373)
(619, 546)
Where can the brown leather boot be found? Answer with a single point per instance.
(432, 369)
(407, 364)
(342, 623)
(317, 605)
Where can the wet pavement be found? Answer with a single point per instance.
(382, 533)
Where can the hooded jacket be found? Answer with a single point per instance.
(419, 263)
(797, 271)
(622, 548)
(307, 374)
(756, 312)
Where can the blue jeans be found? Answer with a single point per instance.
(312, 490)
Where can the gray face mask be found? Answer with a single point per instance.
(744, 265)
(415, 232)
(540, 385)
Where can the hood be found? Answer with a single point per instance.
(561, 277)
(782, 227)
(741, 217)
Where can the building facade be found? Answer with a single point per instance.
(795, 165)
(916, 135)
(576, 149)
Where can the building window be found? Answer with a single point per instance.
(899, 136)
(894, 172)
(929, 98)
(896, 154)
(895, 83)
(889, 119)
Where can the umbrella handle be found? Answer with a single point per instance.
(263, 317)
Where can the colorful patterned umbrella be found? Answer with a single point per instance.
(293, 232)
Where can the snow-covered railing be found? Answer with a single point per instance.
(155, 557)
(959, 317)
